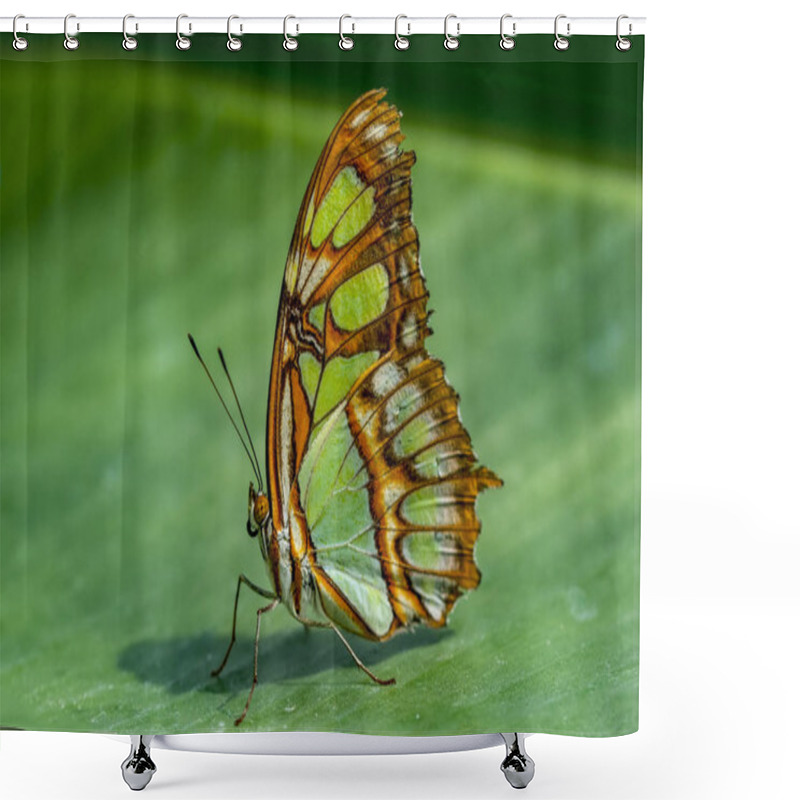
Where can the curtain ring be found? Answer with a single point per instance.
(345, 42)
(19, 43)
(400, 42)
(70, 42)
(288, 42)
(561, 43)
(451, 42)
(623, 44)
(234, 44)
(182, 42)
(128, 42)
(507, 42)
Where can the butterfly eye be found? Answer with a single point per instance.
(260, 509)
(252, 513)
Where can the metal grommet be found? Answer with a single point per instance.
(234, 44)
(288, 42)
(345, 42)
(451, 42)
(623, 44)
(182, 42)
(507, 42)
(70, 42)
(560, 43)
(128, 42)
(19, 43)
(400, 42)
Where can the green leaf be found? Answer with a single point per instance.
(143, 202)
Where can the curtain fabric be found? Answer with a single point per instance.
(155, 193)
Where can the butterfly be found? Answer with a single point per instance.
(366, 519)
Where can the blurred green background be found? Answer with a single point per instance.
(149, 194)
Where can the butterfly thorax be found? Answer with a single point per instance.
(259, 524)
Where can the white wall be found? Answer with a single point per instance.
(720, 603)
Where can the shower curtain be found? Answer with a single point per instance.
(436, 514)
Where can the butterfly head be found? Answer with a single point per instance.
(258, 515)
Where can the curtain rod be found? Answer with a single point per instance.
(406, 26)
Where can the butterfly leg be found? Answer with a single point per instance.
(360, 663)
(260, 611)
(257, 590)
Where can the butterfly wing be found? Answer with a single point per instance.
(372, 476)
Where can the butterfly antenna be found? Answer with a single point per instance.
(241, 414)
(230, 417)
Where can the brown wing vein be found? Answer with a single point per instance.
(376, 220)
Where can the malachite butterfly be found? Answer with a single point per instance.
(367, 517)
